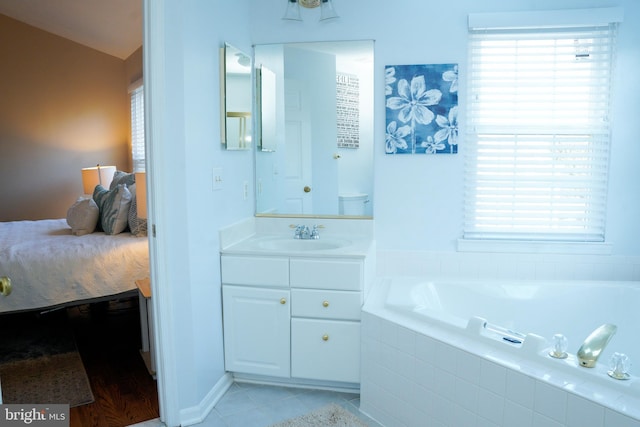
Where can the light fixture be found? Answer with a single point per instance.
(140, 227)
(141, 195)
(243, 59)
(327, 11)
(293, 11)
(91, 177)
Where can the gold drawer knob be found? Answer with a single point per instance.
(325, 303)
(325, 337)
(5, 286)
(283, 300)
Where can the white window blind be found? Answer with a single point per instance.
(537, 159)
(137, 129)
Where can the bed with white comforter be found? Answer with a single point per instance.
(49, 267)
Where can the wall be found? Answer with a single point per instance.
(419, 199)
(64, 107)
(183, 109)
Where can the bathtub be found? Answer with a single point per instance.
(462, 353)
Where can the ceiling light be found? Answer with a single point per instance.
(327, 11)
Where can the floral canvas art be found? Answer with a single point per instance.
(422, 109)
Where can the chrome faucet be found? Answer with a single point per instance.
(304, 232)
(594, 345)
(301, 232)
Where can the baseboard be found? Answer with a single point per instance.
(197, 414)
(297, 383)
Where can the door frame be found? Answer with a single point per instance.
(154, 64)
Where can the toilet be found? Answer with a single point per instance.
(352, 203)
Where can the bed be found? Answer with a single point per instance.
(51, 268)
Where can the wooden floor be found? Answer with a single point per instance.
(108, 338)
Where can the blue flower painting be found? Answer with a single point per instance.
(422, 109)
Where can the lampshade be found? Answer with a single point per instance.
(327, 11)
(97, 175)
(141, 194)
(293, 11)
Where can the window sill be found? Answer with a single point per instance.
(520, 246)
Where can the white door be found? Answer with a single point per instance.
(256, 330)
(298, 172)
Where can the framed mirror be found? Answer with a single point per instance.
(315, 115)
(235, 98)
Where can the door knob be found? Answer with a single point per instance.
(283, 300)
(307, 189)
(5, 286)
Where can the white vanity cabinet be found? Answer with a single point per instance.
(295, 317)
(256, 330)
(326, 297)
(256, 314)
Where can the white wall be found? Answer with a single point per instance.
(185, 147)
(418, 199)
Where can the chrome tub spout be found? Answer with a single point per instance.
(592, 347)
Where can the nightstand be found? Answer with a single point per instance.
(146, 325)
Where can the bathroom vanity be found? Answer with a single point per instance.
(291, 307)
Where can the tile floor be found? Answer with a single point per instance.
(254, 405)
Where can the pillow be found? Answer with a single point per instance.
(114, 207)
(137, 226)
(83, 216)
(120, 177)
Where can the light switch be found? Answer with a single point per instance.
(217, 179)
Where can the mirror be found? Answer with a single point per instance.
(314, 154)
(235, 98)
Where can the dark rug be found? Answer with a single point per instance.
(40, 363)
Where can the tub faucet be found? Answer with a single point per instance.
(595, 343)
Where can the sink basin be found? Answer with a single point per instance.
(290, 244)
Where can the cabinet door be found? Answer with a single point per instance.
(325, 350)
(256, 330)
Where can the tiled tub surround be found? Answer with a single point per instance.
(420, 371)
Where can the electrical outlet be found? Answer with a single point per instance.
(217, 179)
(245, 190)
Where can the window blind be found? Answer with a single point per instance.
(536, 164)
(137, 129)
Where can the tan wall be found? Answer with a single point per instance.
(63, 106)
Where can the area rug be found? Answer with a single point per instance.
(328, 416)
(42, 365)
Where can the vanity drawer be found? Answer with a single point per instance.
(255, 270)
(346, 275)
(326, 350)
(326, 304)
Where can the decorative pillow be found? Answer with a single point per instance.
(137, 226)
(120, 177)
(114, 207)
(83, 216)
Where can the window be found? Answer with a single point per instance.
(137, 128)
(538, 133)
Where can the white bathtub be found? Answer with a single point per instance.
(491, 339)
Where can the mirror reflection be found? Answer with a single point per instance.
(314, 156)
(236, 95)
